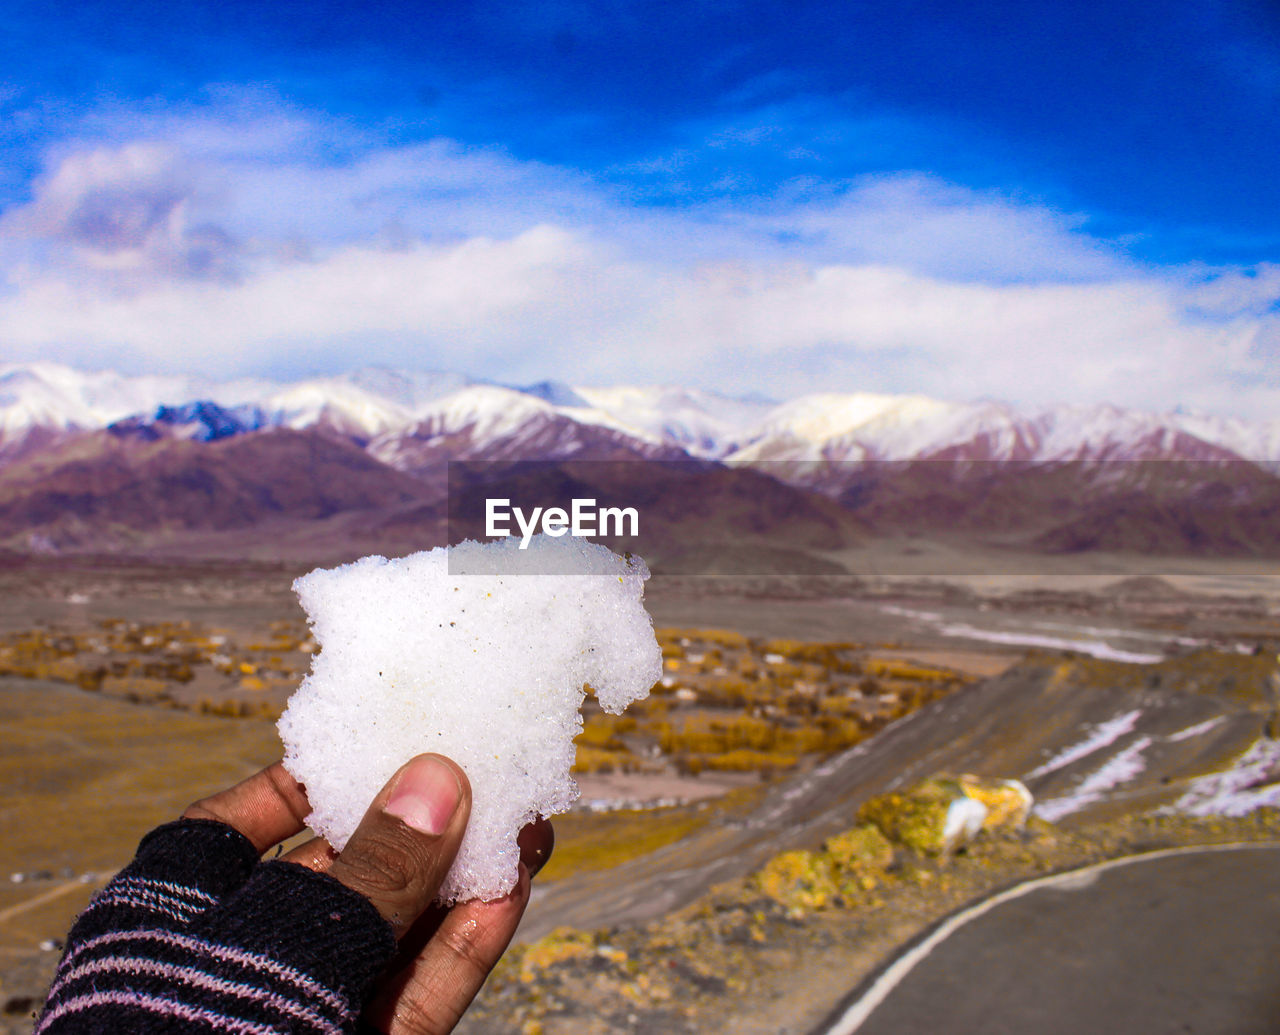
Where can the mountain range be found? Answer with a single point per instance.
(102, 460)
(374, 405)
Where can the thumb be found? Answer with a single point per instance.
(403, 848)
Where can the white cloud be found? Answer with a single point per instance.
(436, 254)
(549, 301)
(1233, 292)
(921, 223)
(125, 210)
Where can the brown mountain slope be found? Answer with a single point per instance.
(694, 516)
(1211, 520)
(122, 487)
(1209, 506)
(102, 485)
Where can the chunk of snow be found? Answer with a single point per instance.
(487, 669)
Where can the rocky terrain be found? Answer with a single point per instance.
(725, 874)
(778, 951)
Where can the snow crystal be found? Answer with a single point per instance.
(486, 669)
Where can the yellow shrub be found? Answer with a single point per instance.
(136, 687)
(892, 668)
(561, 944)
(745, 760)
(603, 731)
(804, 741)
(712, 736)
(916, 819)
(801, 881)
(725, 691)
(859, 856)
(598, 760)
(1008, 802)
(725, 638)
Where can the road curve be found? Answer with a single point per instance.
(1183, 940)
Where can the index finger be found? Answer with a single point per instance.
(267, 807)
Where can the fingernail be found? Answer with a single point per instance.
(535, 841)
(425, 795)
(537, 860)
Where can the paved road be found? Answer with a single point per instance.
(1186, 942)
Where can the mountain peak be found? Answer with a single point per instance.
(374, 403)
(555, 392)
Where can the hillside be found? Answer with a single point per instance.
(1092, 740)
(116, 489)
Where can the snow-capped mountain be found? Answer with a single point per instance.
(48, 397)
(88, 459)
(198, 421)
(863, 426)
(363, 404)
(393, 413)
(53, 398)
(1254, 440)
(487, 422)
(702, 423)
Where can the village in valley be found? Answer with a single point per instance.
(725, 703)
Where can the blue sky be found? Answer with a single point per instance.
(1040, 202)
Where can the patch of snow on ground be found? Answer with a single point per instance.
(908, 612)
(1103, 734)
(1194, 731)
(1094, 648)
(1247, 785)
(1109, 631)
(965, 817)
(1119, 769)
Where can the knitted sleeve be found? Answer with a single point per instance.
(196, 934)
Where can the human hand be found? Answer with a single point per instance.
(397, 859)
(414, 974)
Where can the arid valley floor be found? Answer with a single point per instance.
(706, 882)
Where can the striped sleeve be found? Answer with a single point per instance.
(197, 935)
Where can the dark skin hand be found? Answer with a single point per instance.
(397, 859)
